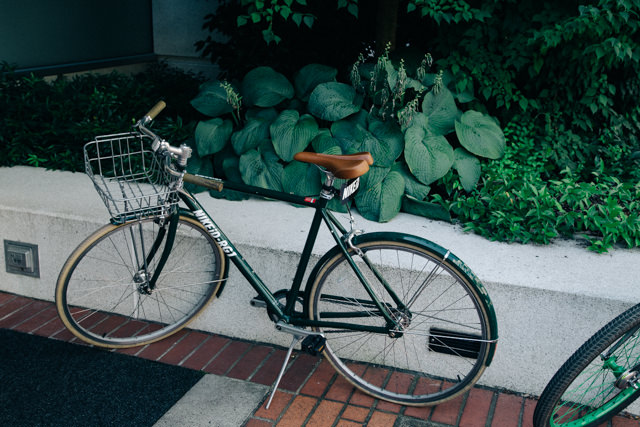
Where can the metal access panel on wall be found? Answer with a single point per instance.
(21, 258)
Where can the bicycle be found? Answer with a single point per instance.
(381, 302)
(599, 380)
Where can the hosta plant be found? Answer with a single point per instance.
(412, 126)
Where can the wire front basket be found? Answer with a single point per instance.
(129, 177)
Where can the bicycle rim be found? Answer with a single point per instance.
(443, 346)
(102, 294)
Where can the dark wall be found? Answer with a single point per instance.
(74, 34)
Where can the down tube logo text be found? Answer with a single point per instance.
(214, 232)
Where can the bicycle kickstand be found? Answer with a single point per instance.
(298, 335)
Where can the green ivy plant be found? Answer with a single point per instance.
(412, 126)
(517, 200)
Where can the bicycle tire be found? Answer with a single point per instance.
(100, 296)
(445, 345)
(583, 392)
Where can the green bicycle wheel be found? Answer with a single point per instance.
(598, 380)
(444, 341)
(102, 293)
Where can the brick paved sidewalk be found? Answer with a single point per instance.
(311, 392)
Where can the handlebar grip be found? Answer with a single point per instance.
(156, 110)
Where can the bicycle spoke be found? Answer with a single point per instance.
(429, 296)
(111, 278)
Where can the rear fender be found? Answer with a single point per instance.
(429, 246)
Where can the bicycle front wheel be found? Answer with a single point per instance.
(443, 343)
(598, 380)
(103, 295)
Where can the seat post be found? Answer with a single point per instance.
(327, 186)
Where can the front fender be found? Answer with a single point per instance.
(428, 246)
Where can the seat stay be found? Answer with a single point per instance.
(340, 240)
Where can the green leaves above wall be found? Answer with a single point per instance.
(291, 133)
(255, 130)
(382, 199)
(264, 87)
(362, 132)
(413, 128)
(333, 101)
(212, 136)
(480, 135)
(310, 76)
(212, 100)
(441, 111)
(428, 155)
(261, 167)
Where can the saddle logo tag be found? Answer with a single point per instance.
(348, 190)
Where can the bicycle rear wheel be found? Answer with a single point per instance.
(444, 343)
(584, 392)
(103, 295)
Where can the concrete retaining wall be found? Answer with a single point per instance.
(548, 299)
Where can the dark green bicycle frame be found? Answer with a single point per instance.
(321, 215)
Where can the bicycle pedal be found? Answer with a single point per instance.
(314, 344)
(258, 302)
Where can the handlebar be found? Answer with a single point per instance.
(155, 110)
(159, 145)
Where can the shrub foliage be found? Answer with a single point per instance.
(45, 122)
(412, 125)
(562, 76)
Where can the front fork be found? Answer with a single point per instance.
(166, 233)
(624, 377)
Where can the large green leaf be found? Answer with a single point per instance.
(255, 130)
(414, 84)
(412, 187)
(429, 210)
(481, 135)
(228, 163)
(447, 79)
(390, 138)
(392, 74)
(382, 201)
(302, 179)
(310, 76)
(212, 100)
(211, 136)
(325, 143)
(260, 167)
(250, 136)
(429, 157)
(198, 166)
(441, 110)
(333, 101)
(375, 176)
(266, 114)
(383, 140)
(291, 133)
(351, 135)
(468, 167)
(264, 87)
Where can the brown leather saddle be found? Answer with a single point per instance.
(347, 166)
